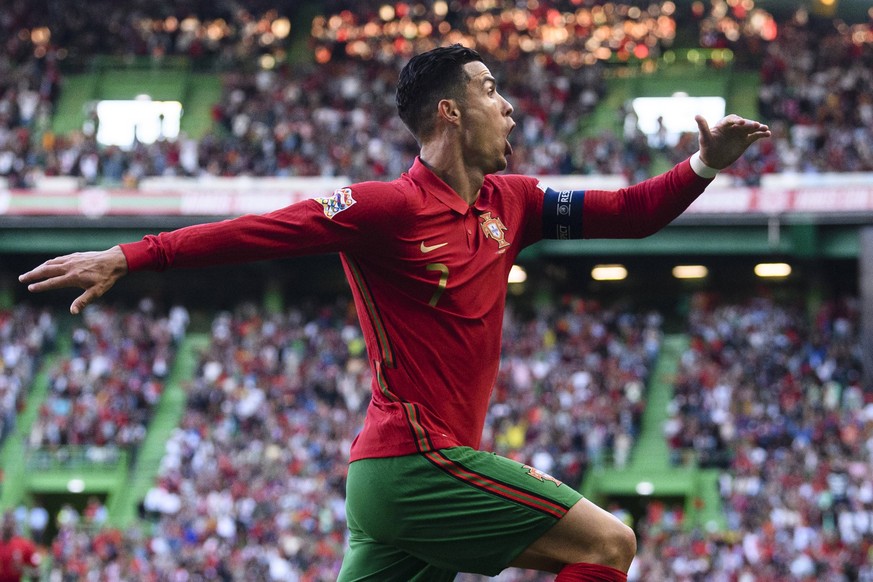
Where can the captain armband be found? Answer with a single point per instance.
(562, 214)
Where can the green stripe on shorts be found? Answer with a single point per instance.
(441, 512)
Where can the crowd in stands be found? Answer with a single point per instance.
(26, 335)
(252, 482)
(776, 400)
(335, 115)
(222, 30)
(817, 91)
(337, 118)
(571, 387)
(102, 395)
(30, 79)
(572, 33)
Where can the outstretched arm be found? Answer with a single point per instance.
(351, 218)
(95, 272)
(645, 208)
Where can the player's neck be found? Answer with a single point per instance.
(451, 169)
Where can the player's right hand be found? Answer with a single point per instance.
(95, 272)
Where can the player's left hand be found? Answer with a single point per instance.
(725, 142)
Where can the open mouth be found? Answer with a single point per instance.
(508, 149)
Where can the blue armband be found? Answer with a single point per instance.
(562, 214)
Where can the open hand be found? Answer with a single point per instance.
(726, 141)
(95, 272)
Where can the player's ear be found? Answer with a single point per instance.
(449, 111)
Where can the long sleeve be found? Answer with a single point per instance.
(322, 225)
(643, 209)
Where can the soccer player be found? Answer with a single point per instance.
(427, 258)
(19, 556)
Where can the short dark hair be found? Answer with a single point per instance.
(427, 78)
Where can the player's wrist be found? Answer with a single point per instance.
(701, 169)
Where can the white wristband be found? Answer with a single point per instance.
(702, 169)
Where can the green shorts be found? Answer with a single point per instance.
(428, 516)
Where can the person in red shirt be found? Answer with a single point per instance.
(427, 257)
(18, 555)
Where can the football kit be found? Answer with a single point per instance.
(428, 273)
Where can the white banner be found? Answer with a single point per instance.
(235, 196)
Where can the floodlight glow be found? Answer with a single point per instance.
(609, 273)
(772, 270)
(517, 274)
(121, 123)
(645, 488)
(690, 271)
(677, 115)
(75, 485)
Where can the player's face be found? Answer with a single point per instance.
(486, 121)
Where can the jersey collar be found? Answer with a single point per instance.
(433, 185)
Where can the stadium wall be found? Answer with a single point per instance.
(837, 198)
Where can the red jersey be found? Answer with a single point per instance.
(15, 555)
(429, 276)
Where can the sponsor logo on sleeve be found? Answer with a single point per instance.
(341, 200)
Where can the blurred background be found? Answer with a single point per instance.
(711, 385)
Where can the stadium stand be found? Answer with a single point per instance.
(816, 87)
(775, 399)
(317, 118)
(102, 395)
(265, 379)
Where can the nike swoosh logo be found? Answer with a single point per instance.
(426, 249)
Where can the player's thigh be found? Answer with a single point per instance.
(370, 561)
(458, 509)
(587, 533)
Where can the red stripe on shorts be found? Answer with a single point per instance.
(495, 487)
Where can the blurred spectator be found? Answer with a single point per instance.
(19, 556)
(37, 522)
(214, 31)
(570, 34)
(276, 404)
(26, 334)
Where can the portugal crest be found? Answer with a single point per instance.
(540, 476)
(494, 228)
